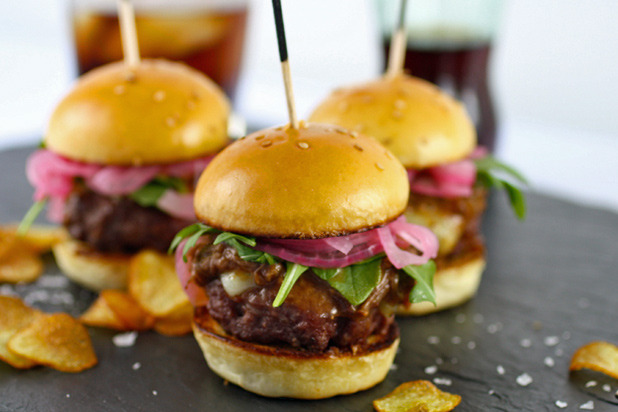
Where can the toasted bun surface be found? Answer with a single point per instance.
(420, 124)
(159, 112)
(272, 372)
(92, 270)
(313, 182)
(454, 285)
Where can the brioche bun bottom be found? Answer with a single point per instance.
(453, 286)
(279, 372)
(92, 270)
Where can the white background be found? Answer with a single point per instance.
(554, 75)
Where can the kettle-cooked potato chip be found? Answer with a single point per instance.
(177, 323)
(417, 396)
(100, 315)
(128, 310)
(14, 316)
(597, 356)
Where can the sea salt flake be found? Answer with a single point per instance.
(136, 366)
(590, 384)
(551, 340)
(549, 362)
(607, 388)
(430, 370)
(442, 381)
(525, 343)
(500, 370)
(53, 282)
(433, 340)
(491, 392)
(155, 393)
(7, 290)
(68, 395)
(589, 406)
(124, 340)
(394, 367)
(561, 404)
(471, 345)
(524, 379)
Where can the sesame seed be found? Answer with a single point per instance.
(260, 137)
(561, 404)
(357, 147)
(500, 369)
(524, 379)
(588, 406)
(266, 143)
(430, 370)
(590, 384)
(379, 166)
(159, 96)
(303, 145)
(120, 89)
(525, 343)
(170, 121)
(353, 134)
(549, 362)
(195, 95)
(551, 340)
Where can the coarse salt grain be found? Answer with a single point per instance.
(471, 345)
(561, 404)
(155, 393)
(430, 370)
(500, 370)
(7, 290)
(55, 282)
(124, 340)
(549, 362)
(590, 384)
(68, 395)
(393, 367)
(607, 388)
(433, 340)
(524, 379)
(588, 406)
(491, 392)
(136, 366)
(525, 343)
(551, 340)
(442, 381)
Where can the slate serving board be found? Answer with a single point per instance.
(550, 286)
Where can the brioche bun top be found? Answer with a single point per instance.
(157, 112)
(419, 123)
(313, 182)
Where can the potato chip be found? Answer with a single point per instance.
(39, 238)
(99, 314)
(20, 265)
(14, 316)
(127, 310)
(177, 323)
(58, 341)
(154, 284)
(417, 396)
(597, 356)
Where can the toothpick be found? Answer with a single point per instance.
(285, 64)
(128, 33)
(396, 57)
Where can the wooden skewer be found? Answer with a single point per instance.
(285, 64)
(396, 58)
(130, 46)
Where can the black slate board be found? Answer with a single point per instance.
(552, 278)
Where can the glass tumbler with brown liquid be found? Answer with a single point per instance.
(449, 44)
(206, 34)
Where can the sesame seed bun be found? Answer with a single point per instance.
(420, 124)
(159, 112)
(314, 182)
(279, 372)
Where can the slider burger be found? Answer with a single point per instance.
(294, 267)
(119, 160)
(432, 135)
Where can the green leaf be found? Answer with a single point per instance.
(488, 173)
(149, 194)
(326, 274)
(226, 236)
(423, 288)
(185, 233)
(294, 270)
(356, 282)
(30, 216)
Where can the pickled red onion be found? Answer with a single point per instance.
(194, 292)
(324, 253)
(177, 204)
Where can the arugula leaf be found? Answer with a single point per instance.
(30, 216)
(226, 236)
(488, 171)
(192, 233)
(423, 275)
(354, 282)
(294, 270)
(149, 194)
